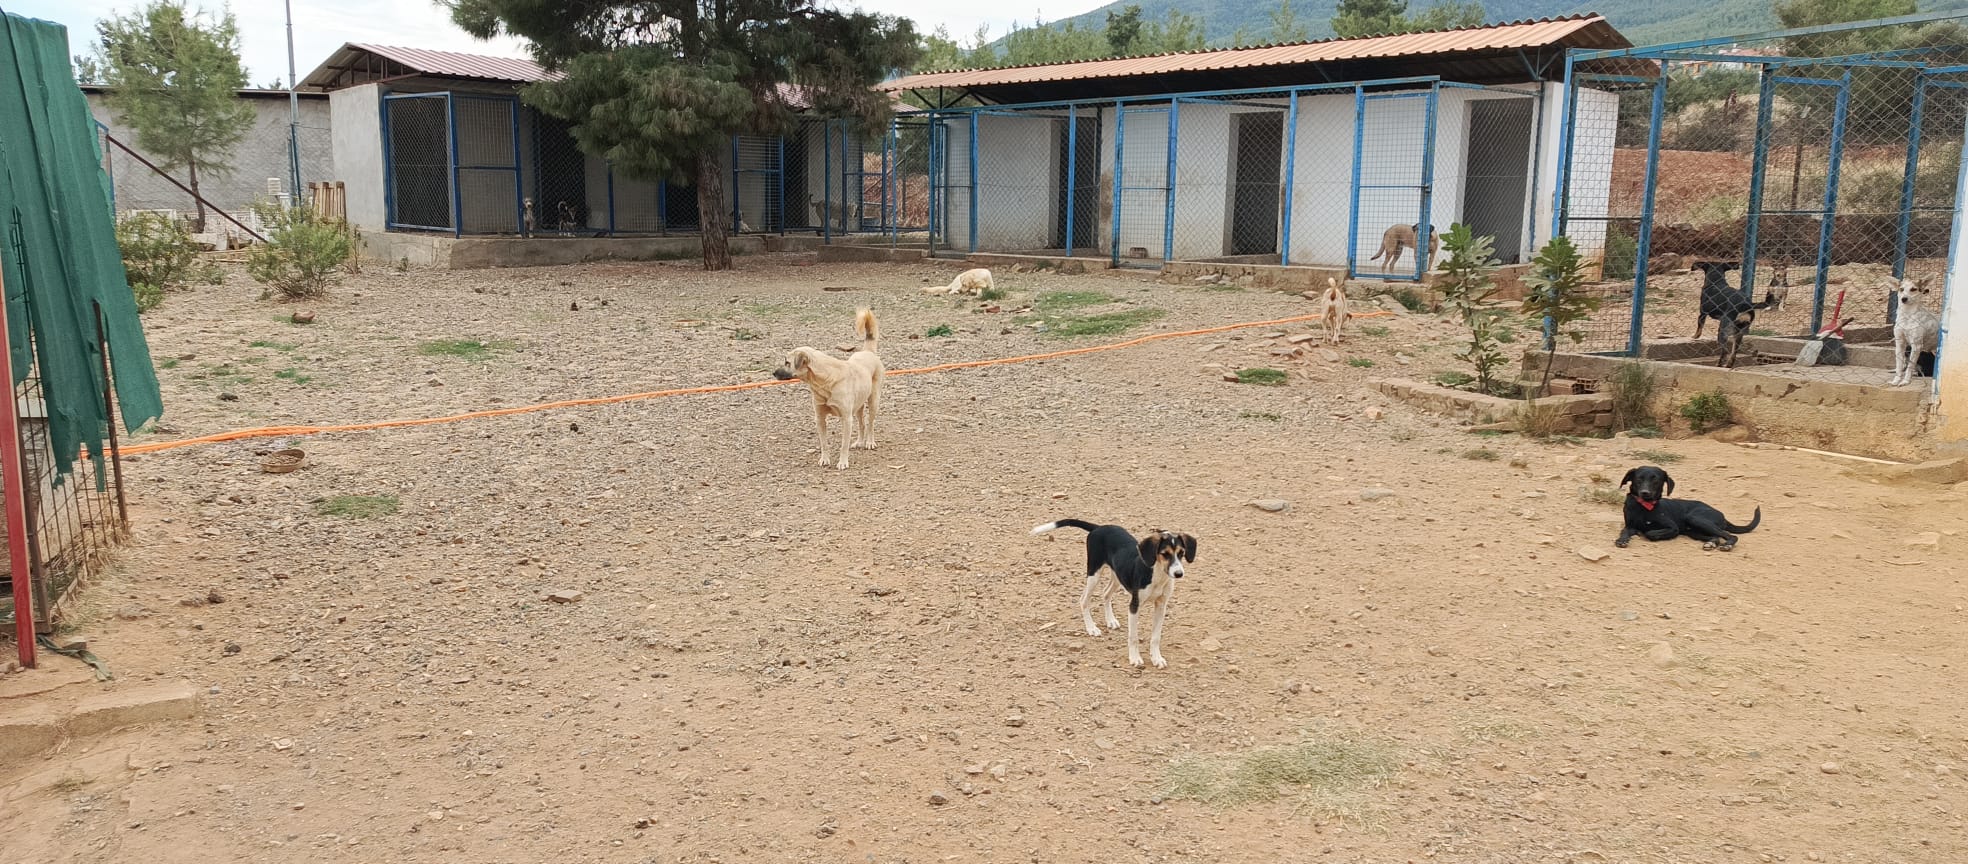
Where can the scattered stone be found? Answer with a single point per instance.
(1375, 412)
(1662, 655)
(999, 771)
(1519, 460)
(1230, 378)
(1103, 743)
(228, 397)
(567, 596)
(232, 648)
(1271, 505)
(194, 602)
(1592, 553)
(132, 612)
(1375, 494)
(1302, 338)
(280, 744)
(1015, 720)
(1925, 540)
(1211, 643)
(1329, 355)
(1629, 615)
(1729, 435)
(826, 829)
(304, 317)
(1829, 768)
(938, 798)
(214, 597)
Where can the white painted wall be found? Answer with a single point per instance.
(356, 122)
(1951, 366)
(1017, 182)
(1597, 117)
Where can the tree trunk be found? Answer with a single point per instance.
(712, 210)
(198, 224)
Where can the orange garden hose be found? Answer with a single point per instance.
(294, 431)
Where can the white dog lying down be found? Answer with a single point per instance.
(968, 282)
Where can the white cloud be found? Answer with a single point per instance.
(321, 26)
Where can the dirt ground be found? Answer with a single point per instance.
(772, 661)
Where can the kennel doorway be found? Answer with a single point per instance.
(1497, 174)
(1254, 197)
(1076, 207)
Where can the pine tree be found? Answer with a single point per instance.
(658, 87)
(173, 75)
(1353, 19)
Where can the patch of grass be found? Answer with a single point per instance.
(1105, 324)
(1321, 766)
(1375, 331)
(1054, 302)
(1480, 454)
(169, 363)
(1454, 380)
(474, 350)
(277, 346)
(1262, 376)
(1660, 456)
(1488, 433)
(293, 375)
(1644, 432)
(1762, 331)
(357, 506)
(1224, 287)
(1705, 411)
(1360, 362)
(991, 293)
(1409, 299)
(746, 334)
(939, 331)
(1605, 495)
(1632, 389)
(1539, 419)
(1258, 415)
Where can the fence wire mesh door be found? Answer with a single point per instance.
(907, 189)
(1143, 217)
(1229, 164)
(1393, 158)
(417, 160)
(1803, 171)
(485, 130)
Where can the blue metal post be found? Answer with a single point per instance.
(1353, 209)
(1644, 246)
(826, 181)
(1291, 164)
(1905, 227)
(389, 160)
(519, 178)
(1120, 168)
(1759, 163)
(1426, 227)
(973, 182)
(1830, 219)
(1072, 169)
(936, 179)
(457, 192)
(1560, 191)
(1168, 184)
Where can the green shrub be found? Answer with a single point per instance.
(1632, 388)
(1705, 411)
(1622, 253)
(158, 256)
(1466, 292)
(302, 254)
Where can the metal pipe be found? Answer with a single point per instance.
(1353, 210)
(13, 484)
(187, 189)
(1643, 247)
(1120, 168)
(457, 190)
(293, 111)
(109, 412)
(1168, 184)
(1829, 222)
(1291, 166)
(1560, 191)
(973, 182)
(1759, 163)
(1905, 228)
(1072, 171)
(1425, 229)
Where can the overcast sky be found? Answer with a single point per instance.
(321, 26)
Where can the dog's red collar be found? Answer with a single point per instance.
(1646, 504)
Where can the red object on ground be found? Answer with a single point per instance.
(15, 490)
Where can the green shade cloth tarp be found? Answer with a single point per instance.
(58, 245)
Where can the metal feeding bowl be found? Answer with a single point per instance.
(283, 461)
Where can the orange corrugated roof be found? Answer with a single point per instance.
(1541, 33)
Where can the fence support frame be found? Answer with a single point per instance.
(1643, 245)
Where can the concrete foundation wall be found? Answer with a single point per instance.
(478, 253)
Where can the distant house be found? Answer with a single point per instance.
(260, 158)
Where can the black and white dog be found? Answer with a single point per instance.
(1733, 313)
(1147, 568)
(1650, 514)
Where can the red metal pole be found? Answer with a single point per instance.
(14, 479)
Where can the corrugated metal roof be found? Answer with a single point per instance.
(1589, 30)
(451, 64)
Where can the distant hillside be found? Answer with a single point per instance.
(1644, 23)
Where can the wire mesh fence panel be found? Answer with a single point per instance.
(1229, 178)
(486, 132)
(1486, 146)
(1139, 231)
(1391, 155)
(1320, 152)
(807, 184)
(1019, 155)
(953, 183)
(417, 160)
(908, 178)
(567, 190)
(1605, 175)
(756, 191)
(1794, 177)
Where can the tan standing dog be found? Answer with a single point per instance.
(1336, 312)
(848, 389)
(1400, 237)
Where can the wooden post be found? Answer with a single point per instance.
(13, 482)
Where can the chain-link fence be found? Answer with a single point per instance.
(1358, 177)
(1784, 182)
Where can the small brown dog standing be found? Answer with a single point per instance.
(849, 389)
(1399, 237)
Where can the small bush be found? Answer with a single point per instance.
(1258, 415)
(1262, 376)
(1705, 411)
(1659, 457)
(1632, 389)
(1539, 419)
(991, 293)
(939, 330)
(158, 256)
(464, 349)
(1455, 380)
(303, 254)
(1605, 495)
(1360, 363)
(1409, 299)
(1375, 331)
(1467, 292)
(1622, 253)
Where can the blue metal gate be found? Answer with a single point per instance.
(1144, 192)
(1393, 180)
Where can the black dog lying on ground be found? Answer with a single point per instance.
(1733, 313)
(1651, 514)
